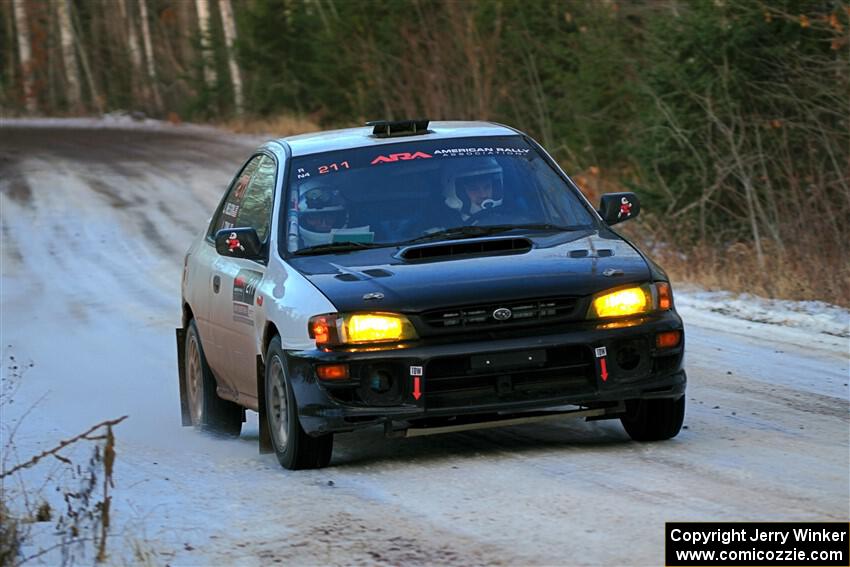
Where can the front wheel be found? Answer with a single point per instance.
(207, 410)
(292, 446)
(654, 420)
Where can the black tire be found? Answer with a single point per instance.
(208, 412)
(293, 447)
(654, 420)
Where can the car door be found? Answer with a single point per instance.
(208, 276)
(234, 305)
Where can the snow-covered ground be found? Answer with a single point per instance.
(125, 121)
(94, 224)
(808, 316)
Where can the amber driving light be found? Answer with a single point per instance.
(332, 371)
(628, 301)
(668, 339)
(665, 296)
(322, 328)
(360, 328)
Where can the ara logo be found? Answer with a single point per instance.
(403, 156)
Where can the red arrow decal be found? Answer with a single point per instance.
(604, 369)
(416, 392)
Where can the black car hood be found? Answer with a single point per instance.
(571, 264)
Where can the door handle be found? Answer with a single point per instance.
(216, 284)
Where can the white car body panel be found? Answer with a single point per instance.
(293, 299)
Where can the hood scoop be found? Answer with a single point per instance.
(354, 276)
(377, 273)
(465, 248)
(603, 253)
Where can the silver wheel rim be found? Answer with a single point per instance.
(277, 407)
(194, 377)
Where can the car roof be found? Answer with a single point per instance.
(331, 140)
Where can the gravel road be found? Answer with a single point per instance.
(94, 225)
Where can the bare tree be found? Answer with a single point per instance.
(72, 70)
(135, 51)
(146, 35)
(203, 7)
(87, 72)
(229, 24)
(25, 55)
(9, 48)
(186, 24)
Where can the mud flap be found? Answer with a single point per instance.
(185, 417)
(265, 437)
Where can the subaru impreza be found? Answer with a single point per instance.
(424, 277)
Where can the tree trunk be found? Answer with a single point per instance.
(210, 77)
(54, 68)
(135, 53)
(72, 70)
(146, 36)
(186, 28)
(25, 55)
(9, 48)
(84, 59)
(229, 24)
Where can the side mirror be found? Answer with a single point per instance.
(618, 207)
(238, 243)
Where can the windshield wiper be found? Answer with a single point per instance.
(337, 247)
(474, 231)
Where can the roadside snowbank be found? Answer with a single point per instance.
(121, 120)
(813, 316)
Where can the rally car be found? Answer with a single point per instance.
(425, 277)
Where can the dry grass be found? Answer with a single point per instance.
(273, 126)
(11, 536)
(797, 272)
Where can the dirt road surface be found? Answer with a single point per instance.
(94, 226)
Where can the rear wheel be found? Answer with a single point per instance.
(207, 410)
(293, 447)
(654, 420)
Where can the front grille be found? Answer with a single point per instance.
(457, 381)
(521, 312)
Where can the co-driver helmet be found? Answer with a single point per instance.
(321, 208)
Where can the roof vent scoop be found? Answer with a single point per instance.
(393, 128)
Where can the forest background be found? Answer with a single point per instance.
(729, 118)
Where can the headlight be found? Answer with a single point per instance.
(631, 301)
(360, 328)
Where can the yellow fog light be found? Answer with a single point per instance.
(372, 327)
(628, 301)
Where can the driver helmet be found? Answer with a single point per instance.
(321, 209)
(473, 189)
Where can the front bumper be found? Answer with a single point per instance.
(591, 364)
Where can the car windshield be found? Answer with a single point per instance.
(421, 190)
